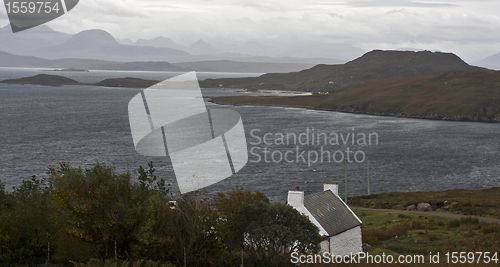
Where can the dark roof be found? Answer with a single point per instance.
(331, 212)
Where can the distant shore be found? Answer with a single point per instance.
(235, 102)
(453, 96)
(56, 80)
(70, 69)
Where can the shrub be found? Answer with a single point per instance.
(453, 223)
(398, 229)
(492, 228)
(434, 237)
(417, 225)
(372, 236)
(469, 220)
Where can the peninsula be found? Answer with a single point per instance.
(372, 66)
(456, 95)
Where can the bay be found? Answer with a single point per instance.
(42, 126)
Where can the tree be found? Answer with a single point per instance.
(32, 218)
(154, 234)
(231, 206)
(148, 181)
(9, 234)
(276, 230)
(3, 196)
(192, 231)
(96, 205)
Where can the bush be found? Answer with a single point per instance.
(453, 223)
(469, 220)
(492, 228)
(417, 225)
(434, 237)
(372, 236)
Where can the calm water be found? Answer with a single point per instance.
(41, 126)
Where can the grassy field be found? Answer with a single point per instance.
(484, 203)
(468, 96)
(395, 234)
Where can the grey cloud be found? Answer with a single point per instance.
(396, 3)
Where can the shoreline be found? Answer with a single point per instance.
(435, 117)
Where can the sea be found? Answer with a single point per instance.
(42, 126)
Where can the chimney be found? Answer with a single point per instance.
(296, 198)
(334, 187)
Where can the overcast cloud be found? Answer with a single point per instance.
(468, 28)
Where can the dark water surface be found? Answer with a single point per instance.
(41, 126)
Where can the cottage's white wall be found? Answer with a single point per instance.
(334, 187)
(344, 243)
(295, 198)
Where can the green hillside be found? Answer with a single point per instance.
(468, 96)
(374, 65)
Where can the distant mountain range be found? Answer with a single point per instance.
(29, 40)
(492, 62)
(97, 49)
(160, 42)
(343, 52)
(202, 48)
(44, 42)
(86, 46)
(10, 60)
(374, 65)
(99, 44)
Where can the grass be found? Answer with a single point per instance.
(484, 203)
(420, 235)
(393, 233)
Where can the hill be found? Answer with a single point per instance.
(374, 65)
(467, 96)
(10, 60)
(39, 37)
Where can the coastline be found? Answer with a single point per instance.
(441, 117)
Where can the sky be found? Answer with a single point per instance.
(467, 28)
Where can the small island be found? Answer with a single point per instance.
(56, 80)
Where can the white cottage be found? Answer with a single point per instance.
(337, 223)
